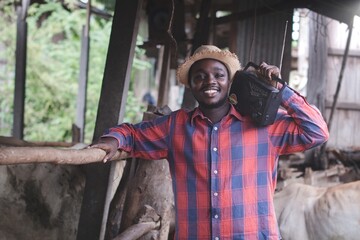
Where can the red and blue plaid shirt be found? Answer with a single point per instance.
(224, 174)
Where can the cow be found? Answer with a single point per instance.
(306, 212)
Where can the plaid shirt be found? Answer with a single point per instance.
(224, 174)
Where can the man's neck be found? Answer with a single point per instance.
(216, 114)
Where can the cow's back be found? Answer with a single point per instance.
(308, 212)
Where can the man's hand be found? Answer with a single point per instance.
(266, 72)
(109, 145)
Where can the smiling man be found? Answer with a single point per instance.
(209, 83)
(223, 166)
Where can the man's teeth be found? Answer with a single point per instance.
(210, 91)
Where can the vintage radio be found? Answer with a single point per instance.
(254, 97)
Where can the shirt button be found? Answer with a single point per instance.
(215, 149)
(216, 194)
(215, 172)
(216, 216)
(215, 128)
(216, 238)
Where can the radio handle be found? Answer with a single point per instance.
(277, 79)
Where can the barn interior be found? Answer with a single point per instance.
(91, 198)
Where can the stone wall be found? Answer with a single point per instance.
(40, 201)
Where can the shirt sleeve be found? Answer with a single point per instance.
(299, 126)
(147, 139)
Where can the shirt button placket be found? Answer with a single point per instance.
(214, 188)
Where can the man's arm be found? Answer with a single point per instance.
(147, 139)
(300, 127)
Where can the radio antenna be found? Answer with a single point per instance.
(283, 47)
(254, 34)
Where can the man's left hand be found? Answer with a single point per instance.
(266, 72)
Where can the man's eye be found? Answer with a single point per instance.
(219, 75)
(200, 76)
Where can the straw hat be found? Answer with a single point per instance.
(230, 60)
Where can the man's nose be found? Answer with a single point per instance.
(210, 78)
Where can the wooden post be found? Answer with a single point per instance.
(150, 185)
(99, 177)
(163, 94)
(201, 37)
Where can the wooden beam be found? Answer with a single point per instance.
(329, 9)
(262, 10)
(340, 52)
(26, 155)
(110, 112)
(343, 105)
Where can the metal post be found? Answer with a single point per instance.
(20, 70)
(83, 76)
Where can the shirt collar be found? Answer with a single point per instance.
(232, 113)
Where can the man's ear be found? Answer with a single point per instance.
(189, 81)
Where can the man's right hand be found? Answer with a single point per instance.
(109, 145)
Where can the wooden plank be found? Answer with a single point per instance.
(343, 105)
(110, 112)
(340, 52)
(345, 126)
(347, 115)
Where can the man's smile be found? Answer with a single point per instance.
(210, 92)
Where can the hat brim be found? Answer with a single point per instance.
(230, 60)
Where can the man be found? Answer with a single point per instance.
(223, 166)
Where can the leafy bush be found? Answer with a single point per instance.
(53, 60)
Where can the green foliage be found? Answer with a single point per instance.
(108, 4)
(7, 64)
(134, 108)
(52, 72)
(53, 60)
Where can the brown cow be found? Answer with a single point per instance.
(319, 213)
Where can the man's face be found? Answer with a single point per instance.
(209, 83)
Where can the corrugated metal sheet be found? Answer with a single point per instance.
(261, 37)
